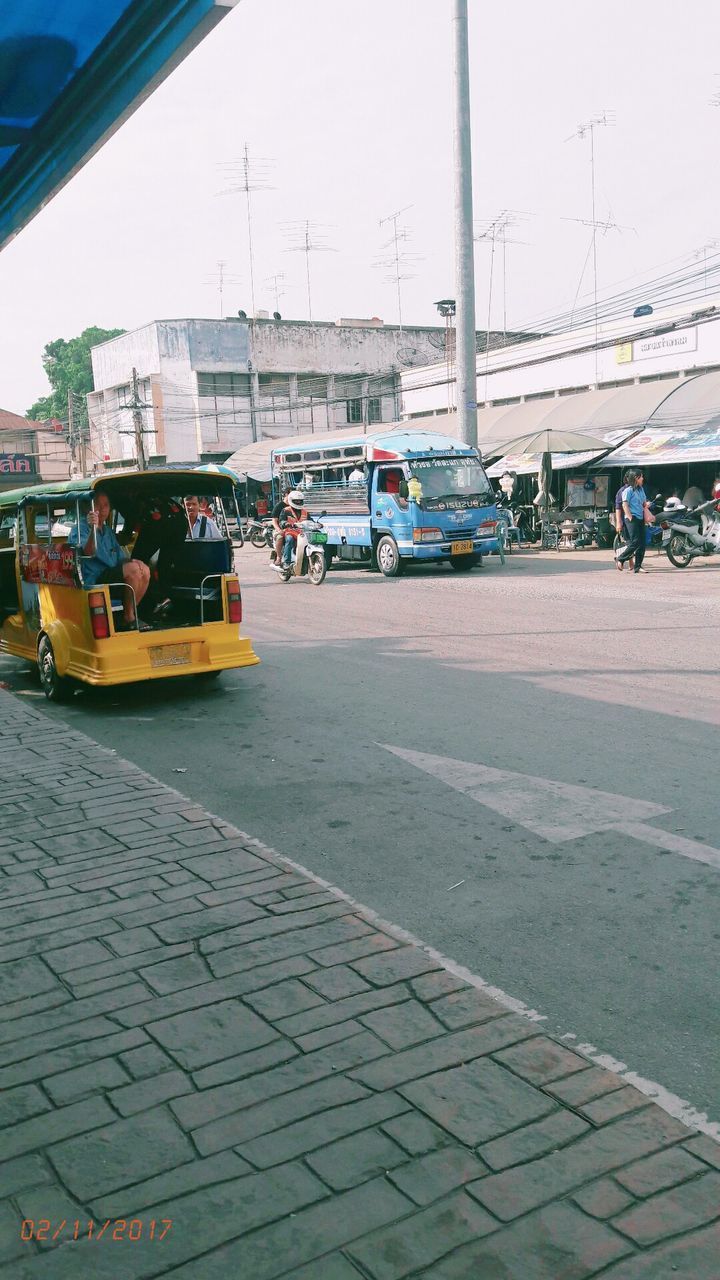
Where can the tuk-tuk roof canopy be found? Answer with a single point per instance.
(160, 483)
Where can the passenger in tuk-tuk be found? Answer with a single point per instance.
(200, 521)
(106, 561)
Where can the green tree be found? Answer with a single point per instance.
(67, 364)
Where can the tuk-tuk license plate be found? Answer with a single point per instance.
(170, 655)
(461, 548)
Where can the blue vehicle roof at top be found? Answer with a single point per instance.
(373, 446)
(70, 72)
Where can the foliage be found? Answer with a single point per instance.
(67, 364)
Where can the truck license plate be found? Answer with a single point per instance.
(170, 655)
(461, 548)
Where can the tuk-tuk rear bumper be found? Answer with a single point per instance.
(159, 655)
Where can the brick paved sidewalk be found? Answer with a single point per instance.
(192, 1032)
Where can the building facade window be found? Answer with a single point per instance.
(224, 401)
(374, 409)
(354, 409)
(274, 402)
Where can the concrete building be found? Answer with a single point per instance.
(208, 387)
(650, 390)
(673, 342)
(31, 452)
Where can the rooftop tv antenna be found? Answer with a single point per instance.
(219, 280)
(398, 262)
(495, 231)
(247, 175)
(600, 120)
(279, 288)
(308, 238)
(603, 225)
(704, 249)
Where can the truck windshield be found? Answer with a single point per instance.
(451, 482)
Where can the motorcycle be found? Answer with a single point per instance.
(258, 532)
(692, 533)
(308, 553)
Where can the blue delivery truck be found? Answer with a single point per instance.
(392, 497)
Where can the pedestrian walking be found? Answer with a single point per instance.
(620, 517)
(636, 512)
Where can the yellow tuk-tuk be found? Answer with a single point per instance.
(81, 625)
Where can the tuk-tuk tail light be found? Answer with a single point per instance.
(234, 599)
(99, 620)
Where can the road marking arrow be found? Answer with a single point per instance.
(557, 811)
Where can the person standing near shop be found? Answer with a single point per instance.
(636, 511)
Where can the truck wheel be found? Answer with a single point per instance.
(388, 557)
(55, 687)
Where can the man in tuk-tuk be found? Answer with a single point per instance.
(106, 561)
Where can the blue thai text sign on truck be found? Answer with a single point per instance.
(390, 497)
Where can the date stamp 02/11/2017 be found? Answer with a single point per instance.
(43, 1229)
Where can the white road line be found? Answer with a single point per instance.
(674, 843)
(556, 811)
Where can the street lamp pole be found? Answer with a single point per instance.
(465, 354)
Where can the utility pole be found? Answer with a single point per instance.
(71, 431)
(82, 440)
(464, 254)
(138, 424)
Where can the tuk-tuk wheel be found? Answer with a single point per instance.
(55, 687)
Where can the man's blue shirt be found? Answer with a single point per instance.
(107, 555)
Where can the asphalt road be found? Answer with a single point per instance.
(556, 667)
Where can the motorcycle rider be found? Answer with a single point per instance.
(278, 514)
(286, 517)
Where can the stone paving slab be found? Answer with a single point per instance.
(212, 1066)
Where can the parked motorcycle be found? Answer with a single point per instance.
(258, 532)
(692, 533)
(308, 553)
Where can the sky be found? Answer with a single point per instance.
(350, 103)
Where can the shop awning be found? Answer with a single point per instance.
(70, 72)
(685, 428)
(610, 413)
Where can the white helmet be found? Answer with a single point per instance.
(295, 498)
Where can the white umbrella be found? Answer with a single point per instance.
(545, 440)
